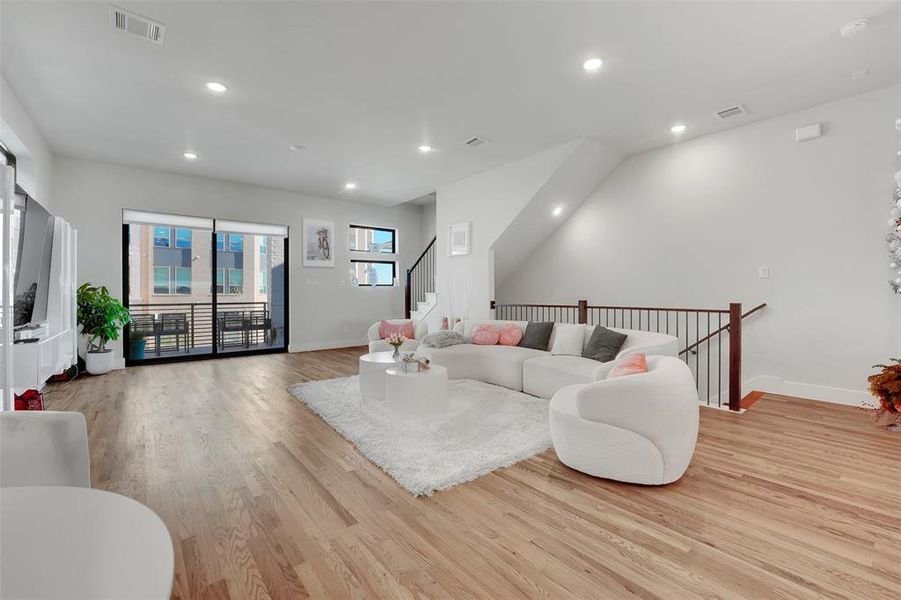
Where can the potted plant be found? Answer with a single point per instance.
(101, 318)
(137, 343)
(886, 387)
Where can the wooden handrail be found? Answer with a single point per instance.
(724, 311)
(720, 330)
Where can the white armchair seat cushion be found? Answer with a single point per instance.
(500, 365)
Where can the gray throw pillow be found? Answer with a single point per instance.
(604, 344)
(537, 335)
(443, 339)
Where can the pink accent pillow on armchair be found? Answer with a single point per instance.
(405, 329)
(630, 365)
(510, 335)
(485, 334)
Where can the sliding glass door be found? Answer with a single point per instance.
(198, 288)
(250, 291)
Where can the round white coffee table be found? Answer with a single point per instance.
(422, 392)
(73, 542)
(372, 374)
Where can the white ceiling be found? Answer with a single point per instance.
(361, 85)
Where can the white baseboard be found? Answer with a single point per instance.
(326, 345)
(836, 395)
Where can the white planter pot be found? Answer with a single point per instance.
(98, 363)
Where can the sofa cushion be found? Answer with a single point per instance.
(544, 375)
(500, 365)
(604, 344)
(568, 339)
(537, 335)
(485, 334)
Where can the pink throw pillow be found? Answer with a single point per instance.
(485, 334)
(405, 329)
(630, 365)
(510, 335)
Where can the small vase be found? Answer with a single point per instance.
(396, 355)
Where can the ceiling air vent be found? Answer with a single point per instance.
(129, 22)
(476, 141)
(732, 111)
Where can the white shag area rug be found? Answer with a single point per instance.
(484, 427)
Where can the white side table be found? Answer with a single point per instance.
(75, 542)
(372, 374)
(420, 393)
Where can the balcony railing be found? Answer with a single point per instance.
(187, 328)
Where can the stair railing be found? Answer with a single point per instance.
(709, 338)
(420, 279)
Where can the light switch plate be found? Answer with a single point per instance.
(763, 272)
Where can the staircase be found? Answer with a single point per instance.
(419, 285)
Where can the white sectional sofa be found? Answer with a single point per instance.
(538, 372)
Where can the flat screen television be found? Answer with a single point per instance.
(33, 245)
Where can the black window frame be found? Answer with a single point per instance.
(393, 264)
(390, 230)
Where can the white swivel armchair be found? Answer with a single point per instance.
(44, 448)
(377, 344)
(636, 428)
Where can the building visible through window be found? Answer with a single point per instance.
(373, 239)
(374, 272)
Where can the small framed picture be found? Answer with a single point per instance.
(458, 239)
(318, 243)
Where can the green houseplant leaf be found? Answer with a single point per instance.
(100, 315)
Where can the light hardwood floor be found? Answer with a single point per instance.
(794, 499)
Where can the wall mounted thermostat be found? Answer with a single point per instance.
(808, 132)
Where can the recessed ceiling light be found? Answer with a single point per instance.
(677, 129)
(859, 74)
(215, 86)
(853, 27)
(592, 64)
(295, 147)
(350, 185)
(425, 149)
(190, 156)
(557, 211)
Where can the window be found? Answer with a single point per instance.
(220, 241)
(182, 238)
(236, 243)
(235, 281)
(373, 239)
(263, 245)
(161, 237)
(374, 272)
(182, 280)
(160, 280)
(263, 287)
(220, 280)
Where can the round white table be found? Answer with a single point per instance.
(72, 542)
(419, 393)
(372, 374)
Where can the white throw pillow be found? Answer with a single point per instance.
(568, 340)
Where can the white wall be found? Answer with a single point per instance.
(326, 311)
(490, 201)
(427, 228)
(688, 225)
(34, 161)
